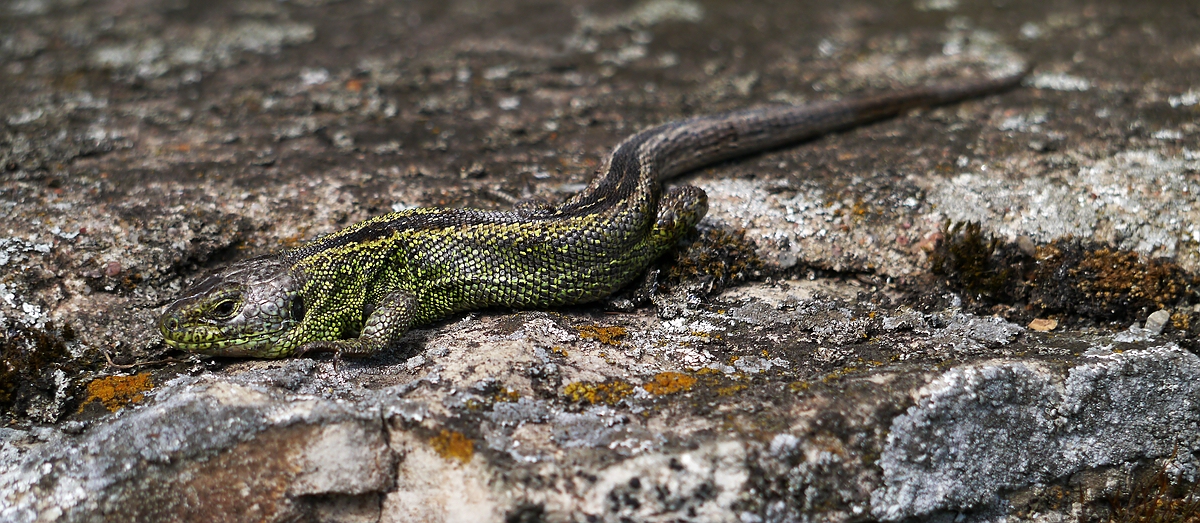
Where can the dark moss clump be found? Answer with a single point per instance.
(1102, 282)
(28, 359)
(986, 268)
(1065, 277)
(715, 257)
(122, 283)
(1156, 500)
(526, 513)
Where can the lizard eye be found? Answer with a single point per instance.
(225, 309)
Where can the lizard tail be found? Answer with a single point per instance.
(679, 147)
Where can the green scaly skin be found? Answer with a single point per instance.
(357, 291)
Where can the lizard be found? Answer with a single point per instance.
(357, 291)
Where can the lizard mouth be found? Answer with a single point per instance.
(211, 341)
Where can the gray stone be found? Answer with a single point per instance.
(1157, 321)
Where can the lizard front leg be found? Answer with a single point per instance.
(384, 327)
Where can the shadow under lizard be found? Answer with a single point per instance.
(358, 290)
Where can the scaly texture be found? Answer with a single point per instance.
(359, 290)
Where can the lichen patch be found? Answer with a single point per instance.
(116, 392)
(450, 444)
(606, 335)
(665, 383)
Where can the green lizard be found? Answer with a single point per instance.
(357, 291)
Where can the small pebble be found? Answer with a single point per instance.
(1157, 321)
(1043, 324)
(1026, 245)
(73, 427)
(476, 170)
(112, 269)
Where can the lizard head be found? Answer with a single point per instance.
(244, 309)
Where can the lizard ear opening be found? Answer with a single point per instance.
(297, 308)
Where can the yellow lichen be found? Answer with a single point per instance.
(669, 383)
(453, 445)
(798, 386)
(507, 395)
(597, 393)
(838, 374)
(115, 392)
(730, 390)
(606, 335)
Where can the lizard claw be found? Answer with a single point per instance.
(318, 347)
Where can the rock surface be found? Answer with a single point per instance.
(835, 344)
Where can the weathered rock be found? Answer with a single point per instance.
(207, 447)
(466, 435)
(142, 143)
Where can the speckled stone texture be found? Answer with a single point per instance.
(145, 142)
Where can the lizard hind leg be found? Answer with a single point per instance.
(382, 328)
(679, 209)
(533, 207)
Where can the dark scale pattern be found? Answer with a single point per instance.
(359, 290)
